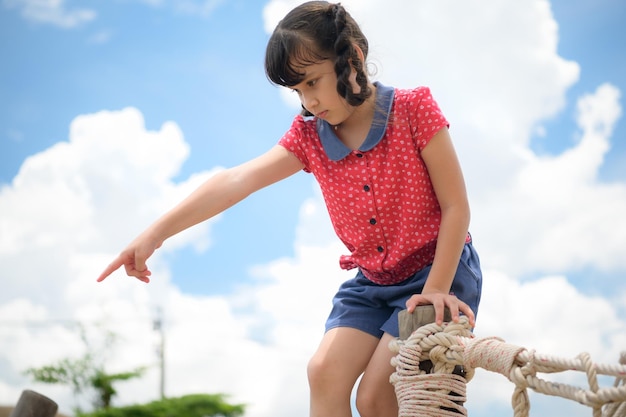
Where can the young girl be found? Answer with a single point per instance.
(394, 190)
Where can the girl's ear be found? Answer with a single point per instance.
(360, 53)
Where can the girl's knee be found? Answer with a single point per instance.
(365, 403)
(319, 371)
(325, 376)
(314, 369)
(376, 402)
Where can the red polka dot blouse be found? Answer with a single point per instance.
(380, 198)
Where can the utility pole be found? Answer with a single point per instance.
(160, 349)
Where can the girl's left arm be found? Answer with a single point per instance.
(447, 179)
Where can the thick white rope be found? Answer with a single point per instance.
(452, 344)
(419, 392)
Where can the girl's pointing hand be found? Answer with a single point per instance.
(133, 258)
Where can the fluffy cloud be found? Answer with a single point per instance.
(56, 12)
(496, 91)
(541, 217)
(52, 12)
(557, 214)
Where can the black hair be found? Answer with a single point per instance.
(313, 32)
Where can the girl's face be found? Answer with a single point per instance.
(318, 93)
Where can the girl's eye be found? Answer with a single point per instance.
(312, 83)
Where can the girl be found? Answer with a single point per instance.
(393, 188)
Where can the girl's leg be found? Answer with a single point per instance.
(376, 396)
(342, 356)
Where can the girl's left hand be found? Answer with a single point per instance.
(440, 301)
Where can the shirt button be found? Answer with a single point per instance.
(359, 155)
(366, 187)
(380, 249)
(372, 221)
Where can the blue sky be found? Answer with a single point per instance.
(113, 111)
(590, 33)
(200, 71)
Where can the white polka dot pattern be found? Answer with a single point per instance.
(381, 202)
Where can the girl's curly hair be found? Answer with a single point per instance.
(313, 32)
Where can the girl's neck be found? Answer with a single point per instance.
(353, 131)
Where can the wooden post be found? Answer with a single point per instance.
(422, 315)
(33, 404)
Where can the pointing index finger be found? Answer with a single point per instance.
(112, 267)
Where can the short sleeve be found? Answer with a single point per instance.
(293, 141)
(426, 118)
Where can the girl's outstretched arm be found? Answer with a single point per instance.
(447, 179)
(215, 195)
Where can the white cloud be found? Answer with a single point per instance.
(69, 209)
(64, 217)
(497, 90)
(53, 12)
(57, 13)
(557, 215)
(553, 318)
(274, 11)
(202, 8)
(196, 7)
(81, 198)
(101, 37)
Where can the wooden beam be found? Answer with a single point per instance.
(422, 315)
(33, 404)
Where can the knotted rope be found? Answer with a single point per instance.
(450, 345)
(436, 391)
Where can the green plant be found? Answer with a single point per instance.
(194, 405)
(86, 373)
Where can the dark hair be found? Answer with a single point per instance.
(313, 32)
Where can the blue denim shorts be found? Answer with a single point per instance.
(374, 308)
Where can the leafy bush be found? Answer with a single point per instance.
(194, 405)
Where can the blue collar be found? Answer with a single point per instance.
(336, 150)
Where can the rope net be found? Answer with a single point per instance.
(434, 364)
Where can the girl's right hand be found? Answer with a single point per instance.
(440, 301)
(133, 258)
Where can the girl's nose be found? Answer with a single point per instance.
(309, 102)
